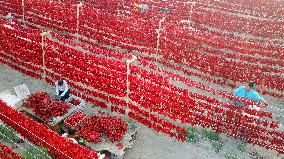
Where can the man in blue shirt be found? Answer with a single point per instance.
(248, 92)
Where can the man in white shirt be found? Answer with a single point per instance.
(62, 89)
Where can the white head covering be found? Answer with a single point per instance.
(9, 15)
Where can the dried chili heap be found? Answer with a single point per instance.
(44, 107)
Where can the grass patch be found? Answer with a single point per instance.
(7, 134)
(241, 146)
(36, 152)
(280, 119)
(191, 135)
(255, 155)
(215, 139)
(231, 156)
(211, 135)
(216, 146)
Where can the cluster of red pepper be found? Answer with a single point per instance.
(146, 76)
(178, 48)
(104, 74)
(19, 68)
(157, 123)
(201, 42)
(213, 69)
(214, 80)
(121, 77)
(75, 102)
(7, 153)
(21, 45)
(162, 80)
(113, 10)
(94, 127)
(74, 119)
(39, 134)
(235, 23)
(142, 31)
(45, 107)
(90, 46)
(114, 127)
(85, 93)
(239, 45)
(11, 6)
(171, 103)
(121, 30)
(264, 9)
(268, 83)
(52, 15)
(157, 95)
(21, 49)
(117, 109)
(106, 30)
(104, 98)
(90, 129)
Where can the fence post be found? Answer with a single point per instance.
(23, 12)
(118, 14)
(43, 36)
(128, 62)
(191, 11)
(78, 20)
(158, 37)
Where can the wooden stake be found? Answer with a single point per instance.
(128, 62)
(158, 37)
(23, 12)
(43, 35)
(191, 11)
(78, 15)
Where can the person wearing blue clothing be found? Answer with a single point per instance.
(248, 92)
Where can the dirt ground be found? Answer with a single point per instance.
(151, 145)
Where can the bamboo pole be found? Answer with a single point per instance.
(23, 12)
(43, 36)
(128, 62)
(159, 36)
(78, 20)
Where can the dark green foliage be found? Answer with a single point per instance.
(192, 135)
(211, 135)
(241, 146)
(214, 138)
(36, 153)
(231, 156)
(216, 146)
(8, 134)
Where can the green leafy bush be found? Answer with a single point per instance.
(211, 135)
(192, 135)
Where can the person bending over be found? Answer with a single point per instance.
(9, 17)
(248, 92)
(62, 90)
